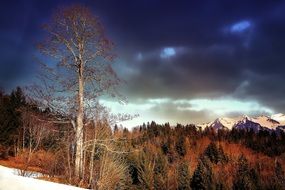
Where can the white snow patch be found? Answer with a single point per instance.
(221, 123)
(266, 121)
(279, 117)
(270, 122)
(10, 181)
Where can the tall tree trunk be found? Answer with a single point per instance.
(79, 127)
(91, 165)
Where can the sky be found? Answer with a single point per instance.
(183, 61)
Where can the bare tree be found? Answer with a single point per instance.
(146, 165)
(81, 73)
(113, 171)
(105, 151)
(33, 131)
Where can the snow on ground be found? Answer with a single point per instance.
(10, 181)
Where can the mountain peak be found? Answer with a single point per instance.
(246, 122)
(245, 118)
(278, 117)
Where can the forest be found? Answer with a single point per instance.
(55, 125)
(151, 156)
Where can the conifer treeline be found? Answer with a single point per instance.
(212, 159)
(10, 119)
(166, 157)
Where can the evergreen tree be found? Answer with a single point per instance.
(212, 153)
(279, 178)
(10, 117)
(215, 154)
(17, 98)
(116, 129)
(246, 178)
(220, 186)
(165, 148)
(160, 172)
(183, 177)
(222, 157)
(203, 176)
(180, 146)
(254, 176)
(159, 182)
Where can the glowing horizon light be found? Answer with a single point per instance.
(240, 26)
(159, 100)
(223, 106)
(167, 52)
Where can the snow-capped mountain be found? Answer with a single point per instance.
(274, 122)
(221, 123)
(279, 117)
(266, 121)
(248, 123)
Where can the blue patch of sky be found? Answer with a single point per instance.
(167, 52)
(240, 26)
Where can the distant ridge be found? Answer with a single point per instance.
(274, 122)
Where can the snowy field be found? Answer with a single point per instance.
(10, 181)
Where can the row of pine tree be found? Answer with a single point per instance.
(167, 157)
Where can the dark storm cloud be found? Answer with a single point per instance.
(222, 48)
(150, 24)
(217, 60)
(18, 21)
(195, 72)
